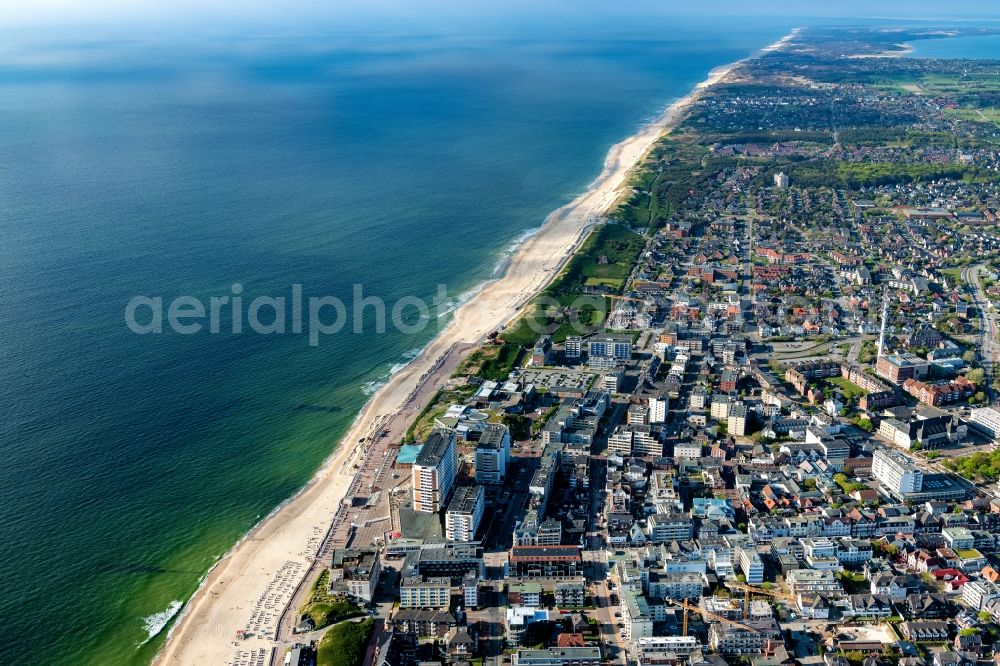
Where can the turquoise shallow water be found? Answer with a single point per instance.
(140, 167)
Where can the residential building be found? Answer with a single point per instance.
(751, 565)
(636, 615)
(748, 637)
(422, 622)
(546, 561)
(615, 347)
(658, 409)
(977, 594)
(896, 472)
(559, 656)
(807, 580)
(355, 572)
(492, 454)
(656, 650)
(422, 592)
(526, 593)
(665, 527)
(821, 553)
(676, 585)
(470, 591)
(571, 593)
(853, 551)
(465, 511)
(737, 420)
(434, 472)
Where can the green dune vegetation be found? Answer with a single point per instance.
(324, 608)
(345, 644)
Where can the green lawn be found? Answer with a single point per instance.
(899, 82)
(945, 84)
(954, 274)
(849, 390)
(991, 115)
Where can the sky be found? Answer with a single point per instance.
(221, 12)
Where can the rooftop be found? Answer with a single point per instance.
(493, 436)
(434, 449)
(465, 499)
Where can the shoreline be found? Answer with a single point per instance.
(286, 539)
(903, 49)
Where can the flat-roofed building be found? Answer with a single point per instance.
(897, 368)
(656, 650)
(636, 615)
(455, 560)
(612, 346)
(559, 656)
(422, 592)
(802, 581)
(751, 565)
(549, 533)
(525, 593)
(465, 512)
(434, 472)
(355, 571)
(676, 585)
(737, 420)
(637, 415)
(470, 590)
(546, 561)
(658, 409)
(665, 527)
(571, 593)
(986, 420)
(749, 637)
(493, 453)
(635, 440)
(898, 474)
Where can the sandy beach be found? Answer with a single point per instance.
(279, 551)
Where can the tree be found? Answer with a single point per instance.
(976, 376)
(969, 356)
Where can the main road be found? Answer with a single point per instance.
(988, 323)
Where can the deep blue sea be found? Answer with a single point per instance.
(971, 47)
(178, 167)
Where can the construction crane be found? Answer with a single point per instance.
(683, 603)
(749, 589)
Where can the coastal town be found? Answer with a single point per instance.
(752, 420)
